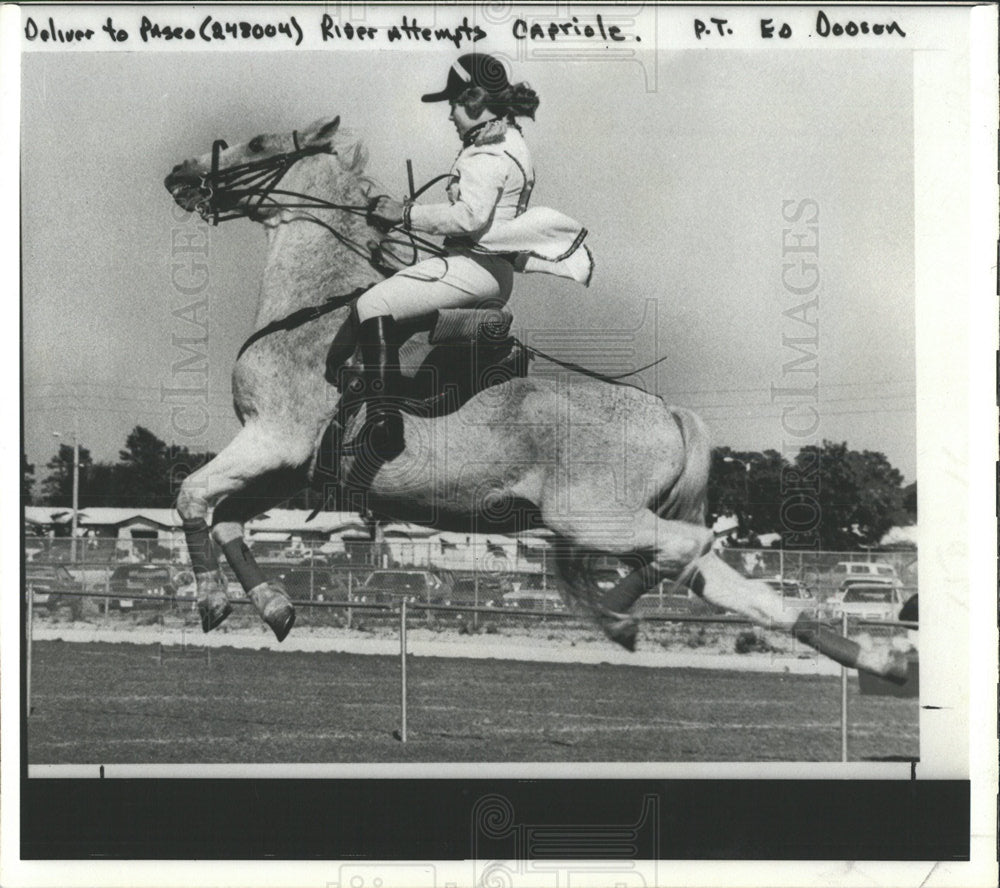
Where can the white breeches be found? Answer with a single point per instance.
(459, 280)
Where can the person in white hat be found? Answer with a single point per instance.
(489, 233)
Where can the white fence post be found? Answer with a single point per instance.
(843, 697)
(29, 641)
(402, 669)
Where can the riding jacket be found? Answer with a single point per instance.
(488, 192)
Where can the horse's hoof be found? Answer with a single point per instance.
(213, 608)
(890, 664)
(898, 669)
(621, 629)
(275, 609)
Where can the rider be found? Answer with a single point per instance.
(489, 233)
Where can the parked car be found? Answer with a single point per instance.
(793, 593)
(47, 583)
(303, 583)
(489, 592)
(674, 602)
(534, 599)
(140, 580)
(392, 586)
(867, 601)
(288, 556)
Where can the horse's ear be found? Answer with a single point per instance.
(323, 132)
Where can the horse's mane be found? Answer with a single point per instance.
(352, 154)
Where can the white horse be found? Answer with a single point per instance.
(607, 468)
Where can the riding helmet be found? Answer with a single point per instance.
(472, 69)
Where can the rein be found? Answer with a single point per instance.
(257, 183)
(594, 374)
(300, 317)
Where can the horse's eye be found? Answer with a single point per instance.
(256, 144)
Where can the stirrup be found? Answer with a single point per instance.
(382, 436)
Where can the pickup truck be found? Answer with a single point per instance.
(847, 573)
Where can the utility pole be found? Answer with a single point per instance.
(76, 484)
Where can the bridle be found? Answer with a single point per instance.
(256, 181)
(255, 184)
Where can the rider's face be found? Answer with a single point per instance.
(461, 118)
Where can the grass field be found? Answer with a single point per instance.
(114, 703)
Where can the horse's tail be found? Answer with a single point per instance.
(687, 499)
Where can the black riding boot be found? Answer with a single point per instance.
(380, 355)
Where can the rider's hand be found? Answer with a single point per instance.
(388, 210)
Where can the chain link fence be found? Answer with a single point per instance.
(483, 587)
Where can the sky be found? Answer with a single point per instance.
(684, 167)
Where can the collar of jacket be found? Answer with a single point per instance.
(489, 132)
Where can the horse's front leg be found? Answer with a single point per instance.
(253, 453)
(194, 501)
(268, 597)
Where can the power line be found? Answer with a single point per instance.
(227, 402)
(704, 408)
(709, 391)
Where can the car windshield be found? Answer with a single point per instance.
(396, 582)
(867, 594)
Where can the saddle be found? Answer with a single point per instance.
(445, 360)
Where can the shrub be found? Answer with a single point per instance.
(749, 642)
(697, 639)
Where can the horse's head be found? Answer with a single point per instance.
(237, 181)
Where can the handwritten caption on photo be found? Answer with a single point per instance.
(289, 30)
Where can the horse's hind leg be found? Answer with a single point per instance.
(718, 583)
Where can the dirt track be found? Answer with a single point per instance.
(554, 645)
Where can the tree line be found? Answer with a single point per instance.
(827, 497)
